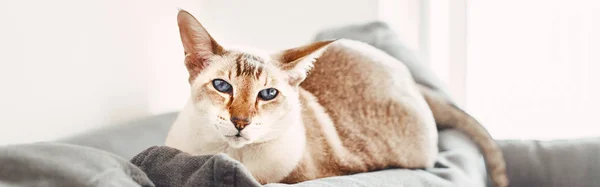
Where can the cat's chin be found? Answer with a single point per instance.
(237, 141)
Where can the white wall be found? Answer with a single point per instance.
(533, 68)
(68, 66)
(407, 19)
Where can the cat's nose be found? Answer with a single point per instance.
(240, 122)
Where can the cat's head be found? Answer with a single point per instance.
(244, 97)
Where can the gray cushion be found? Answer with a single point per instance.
(129, 139)
(573, 163)
(59, 165)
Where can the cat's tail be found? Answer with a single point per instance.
(447, 115)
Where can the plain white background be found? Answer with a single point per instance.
(67, 66)
(533, 67)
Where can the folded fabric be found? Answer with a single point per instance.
(170, 167)
(61, 165)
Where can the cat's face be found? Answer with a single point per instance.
(245, 98)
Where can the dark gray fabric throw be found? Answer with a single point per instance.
(170, 167)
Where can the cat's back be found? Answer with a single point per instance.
(367, 71)
(374, 104)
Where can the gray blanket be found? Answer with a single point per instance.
(572, 163)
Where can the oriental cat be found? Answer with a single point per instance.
(324, 109)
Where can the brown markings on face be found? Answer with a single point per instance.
(244, 104)
(248, 65)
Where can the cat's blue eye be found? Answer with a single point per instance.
(268, 94)
(222, 86)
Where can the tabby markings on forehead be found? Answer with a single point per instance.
(249, 65)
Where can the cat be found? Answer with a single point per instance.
(357, 110)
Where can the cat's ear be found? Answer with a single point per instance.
(297, 62)
(198, 45)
